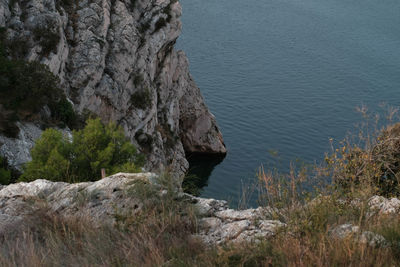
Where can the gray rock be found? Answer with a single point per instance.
(372, 239)
(209, 206)
(237, 215)
(220, 224)
(365, 237)
(382, 205)
(344, 230)
(100, 200)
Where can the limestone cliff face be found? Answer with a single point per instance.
(117, 59)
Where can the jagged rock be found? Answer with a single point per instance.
(209, 206)
(237, 215)
(372, 239)
(261, 230)
(365, 237)
(223, 225)
(117, 60)
(382, 205)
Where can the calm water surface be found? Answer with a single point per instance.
(286, 75)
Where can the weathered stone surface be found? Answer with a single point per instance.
(365, 237)
(117, 59)
(100, 200)
(237, 215)
(344, 230)
(383, 205)
(104, 200)
(209, 206)
(223, 225)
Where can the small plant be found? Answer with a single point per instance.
(5, 173)
(47, 37)
(138, 80)
(374, 167)
(141, 99)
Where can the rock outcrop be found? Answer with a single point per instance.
(117, 59)
(104, 200)
(220, 225)
(347, 231)
(382, 205)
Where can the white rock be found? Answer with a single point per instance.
(365, 237)
(383, 205)
(344, 231)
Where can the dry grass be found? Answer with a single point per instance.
(161, 234)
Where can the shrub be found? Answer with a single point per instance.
(63, 111)
(25, 88)
(138, 80)
(141, 99)
(5, 173)
(47, 37)
(375, 167)
(8, 174)
(97, 146)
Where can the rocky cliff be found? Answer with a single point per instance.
(117, 59)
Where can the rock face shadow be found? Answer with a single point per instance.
(201, 167)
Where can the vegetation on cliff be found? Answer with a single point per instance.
(57, 157)
(26, 88)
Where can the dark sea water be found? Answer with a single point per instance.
(287, 75)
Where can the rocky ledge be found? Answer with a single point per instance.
(104, 200)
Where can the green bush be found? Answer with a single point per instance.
(141, 99)
(57, 158)
(5, 173)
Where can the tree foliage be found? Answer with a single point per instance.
(57, 157)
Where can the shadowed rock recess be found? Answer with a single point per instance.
(117, 59)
